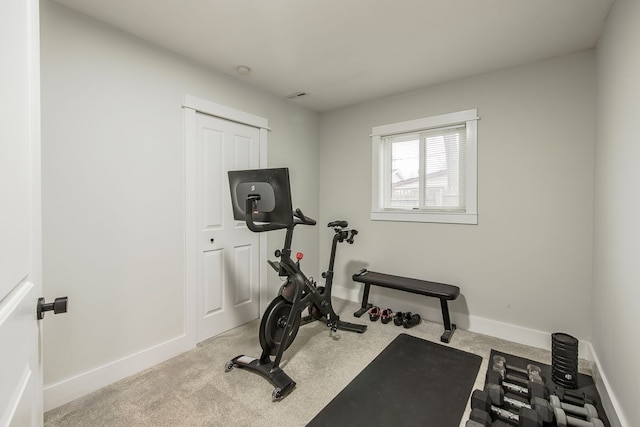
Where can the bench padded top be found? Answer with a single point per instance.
(422, 287)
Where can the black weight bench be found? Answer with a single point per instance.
(441, 291)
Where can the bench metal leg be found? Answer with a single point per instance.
(449, 328)
(365, 302)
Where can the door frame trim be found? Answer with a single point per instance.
(217, 110)
(193, 105)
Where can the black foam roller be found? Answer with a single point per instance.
(564, 360)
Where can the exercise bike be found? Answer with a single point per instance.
(283, 316)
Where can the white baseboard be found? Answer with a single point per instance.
(609, 402)
(80, 385)
(519, 334)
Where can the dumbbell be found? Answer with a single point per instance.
(532, 389)
(533, 378)
(538, 404)
(587, 411)
(574, 397)
(563, 420)
(478, 417)
(532, 372)
(481, 406)
(474, 423)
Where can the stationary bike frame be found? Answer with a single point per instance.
(301, 293)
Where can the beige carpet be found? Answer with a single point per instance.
(194, 390)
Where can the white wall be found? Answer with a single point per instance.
(113, 194)
(616, 293)
(528, 261)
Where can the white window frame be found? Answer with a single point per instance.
(470, 214)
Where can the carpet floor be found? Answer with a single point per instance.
(193, 388)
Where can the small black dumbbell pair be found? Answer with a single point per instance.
(406, 319)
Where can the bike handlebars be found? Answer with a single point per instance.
(300, 218)
(250, 206)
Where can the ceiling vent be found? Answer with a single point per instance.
(297, 95)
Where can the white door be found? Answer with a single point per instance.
(20, 232)
(228, 265)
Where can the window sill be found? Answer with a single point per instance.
(447, 218)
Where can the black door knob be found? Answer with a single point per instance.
(59, 305)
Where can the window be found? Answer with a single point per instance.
(425, 170)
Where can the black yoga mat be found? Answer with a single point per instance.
(412, 382)
(585, 383)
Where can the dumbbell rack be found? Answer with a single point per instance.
(510, 403)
